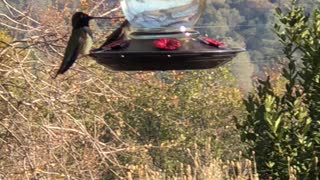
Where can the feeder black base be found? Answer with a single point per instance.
(141, 55)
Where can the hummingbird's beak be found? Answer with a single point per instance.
(92, 17)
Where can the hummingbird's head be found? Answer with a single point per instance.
(80, 19)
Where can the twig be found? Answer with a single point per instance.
(21, 24)
(21, 13)
(111, 11)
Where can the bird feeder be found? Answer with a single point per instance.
(162, 37)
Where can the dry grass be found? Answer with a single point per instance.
(216, 169)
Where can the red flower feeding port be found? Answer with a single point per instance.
(159, 40)
(167, 44)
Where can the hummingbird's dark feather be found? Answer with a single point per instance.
(75, 46)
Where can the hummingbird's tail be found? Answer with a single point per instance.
(57, 73)
(66, 64)
(55, 76)
(60, 71)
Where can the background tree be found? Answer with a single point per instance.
(283, 129)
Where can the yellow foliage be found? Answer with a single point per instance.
(5, 39)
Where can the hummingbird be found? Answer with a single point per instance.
(80, 41)
(118, 34)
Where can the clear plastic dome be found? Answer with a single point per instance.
(163, 15)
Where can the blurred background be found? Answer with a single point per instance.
(94, 123)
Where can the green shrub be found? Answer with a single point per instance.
(284, 129)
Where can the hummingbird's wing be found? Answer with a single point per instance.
(75, 44)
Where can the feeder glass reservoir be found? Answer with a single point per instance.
(162, 15)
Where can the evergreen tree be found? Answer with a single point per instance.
(283, 129)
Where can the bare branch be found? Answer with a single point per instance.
(111, 11)
(21, 13)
